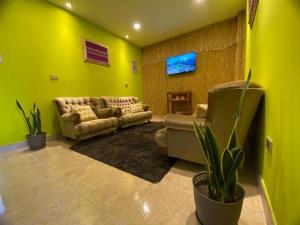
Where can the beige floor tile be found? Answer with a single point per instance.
(25, 205)
(21, 170)
(252, 212)
(172, 201)
(77, 212)
(118, 194)
(18, 158)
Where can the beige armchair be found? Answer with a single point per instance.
(70, 121)
(178, 137)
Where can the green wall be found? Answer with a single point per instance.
(273, 54)
(38, 39)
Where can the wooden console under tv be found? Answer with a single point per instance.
(180, 102)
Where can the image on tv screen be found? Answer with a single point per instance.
(181, 63)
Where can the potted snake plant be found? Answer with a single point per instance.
(36, 139)
(218, 196)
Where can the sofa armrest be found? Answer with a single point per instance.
(71, 118)
(117, 112)
(146, 107)
(201, 111)
(182, 122)
(104, 113)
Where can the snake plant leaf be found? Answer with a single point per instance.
(240, 105)
(39, 123)
(233, 141)
(199, 134)
(214, 151)
(200, 137)
(30, 128)
(19, 106)
(34, 122)
(237, 161)
(209, 166)
(227, 161)
(25, 117)
(232, 186)
(211, 184)
(235, 151)
(237, 115)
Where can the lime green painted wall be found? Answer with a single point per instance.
(38, 39)
(273, 54)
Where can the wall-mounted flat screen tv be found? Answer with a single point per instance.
(181, 64)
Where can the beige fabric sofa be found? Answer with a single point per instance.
(70, 123)
(126, 117)
(178, 137)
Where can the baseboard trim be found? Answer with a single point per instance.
(23, 144)
(268, 211)
(16, 146)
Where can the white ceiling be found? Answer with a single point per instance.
(160, 19)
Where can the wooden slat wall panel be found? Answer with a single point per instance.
(240, 53)
(220, 49)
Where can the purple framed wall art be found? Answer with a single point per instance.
(95, 53)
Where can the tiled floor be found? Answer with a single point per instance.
(57, 186)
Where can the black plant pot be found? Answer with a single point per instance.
(36, 142)
(210, 212)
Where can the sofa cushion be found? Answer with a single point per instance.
(134, 117)
(137, 107)
(117, 112)
(85, 111)
(120, 102)
(104, 113)
(95, 125)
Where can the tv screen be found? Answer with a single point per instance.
(181, 63)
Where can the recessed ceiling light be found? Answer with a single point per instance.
(137, 26)
(69, 5)
(199, 1)
(127, 36)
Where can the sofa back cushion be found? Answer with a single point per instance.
(85, 112)
(120, 102)
(64, 103)
(136, 107)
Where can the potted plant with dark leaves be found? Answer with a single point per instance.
(218, 196)
(36, 139)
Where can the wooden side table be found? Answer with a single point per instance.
(179, 103)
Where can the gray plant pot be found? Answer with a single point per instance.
(36, 142)
(210, 212)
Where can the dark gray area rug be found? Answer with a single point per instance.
(132, 150)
